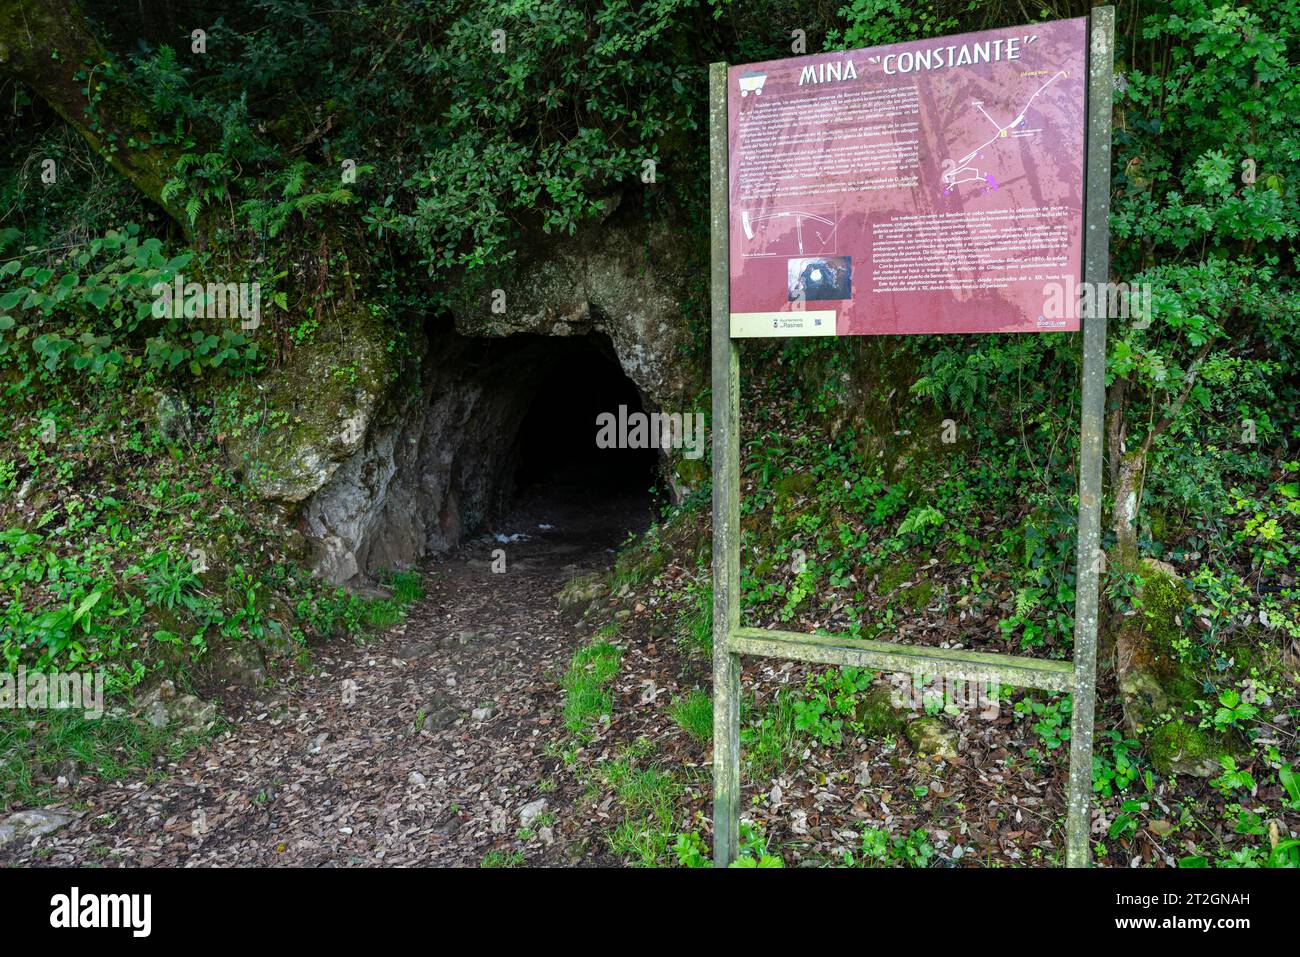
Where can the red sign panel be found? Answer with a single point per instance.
(925, 187)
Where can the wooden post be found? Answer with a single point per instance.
(730, 640)
(726, 494)
(1096, 272)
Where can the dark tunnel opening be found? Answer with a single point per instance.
(558, 468)
(499, 441)
(557, 450)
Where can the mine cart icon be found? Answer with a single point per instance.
(751, 82)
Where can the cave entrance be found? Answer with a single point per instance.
(558, 475)
(498, 436)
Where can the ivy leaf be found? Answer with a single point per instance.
(98, 297)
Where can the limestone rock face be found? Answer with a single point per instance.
(320, 404)
(627, 277)
(389, 467)
(437, 460)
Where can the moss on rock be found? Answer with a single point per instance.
(578, 593)
(1154, 677)
(1179, 747)
(325, 398)
(690, 473)
(879, 714)
(932, 738)
(901, 577)
(794, 485)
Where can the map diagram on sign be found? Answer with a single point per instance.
(980, 165)
(804, 230)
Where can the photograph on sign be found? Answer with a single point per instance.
(925, 187)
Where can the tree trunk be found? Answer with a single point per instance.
(1128, 482)
(1128, 471)
(45, 44)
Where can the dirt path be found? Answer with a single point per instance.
(419, 748)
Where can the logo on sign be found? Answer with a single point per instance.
(751, 81)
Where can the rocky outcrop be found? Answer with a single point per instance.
(627, 276)
(1159, 688)
(315, 413)
(385, 466)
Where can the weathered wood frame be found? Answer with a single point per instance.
(730, 640)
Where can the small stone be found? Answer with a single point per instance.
(416, 649)
(25, 825)
(546, 835)
(240, 664)
(482, 714)
(579, 593)
(155, 714)
(193, 714)
(531, 811)
(931, 738)
(440, 720)
(416, 779)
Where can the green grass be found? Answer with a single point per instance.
(502, 859)
(407, 587)
(586, 696)
(695, 627)
(694, 714)
(383, 613)
(769, 743)
(32, 749)
(649, 795)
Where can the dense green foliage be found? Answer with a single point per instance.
(399, 155)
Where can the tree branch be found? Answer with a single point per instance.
(44, 44)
